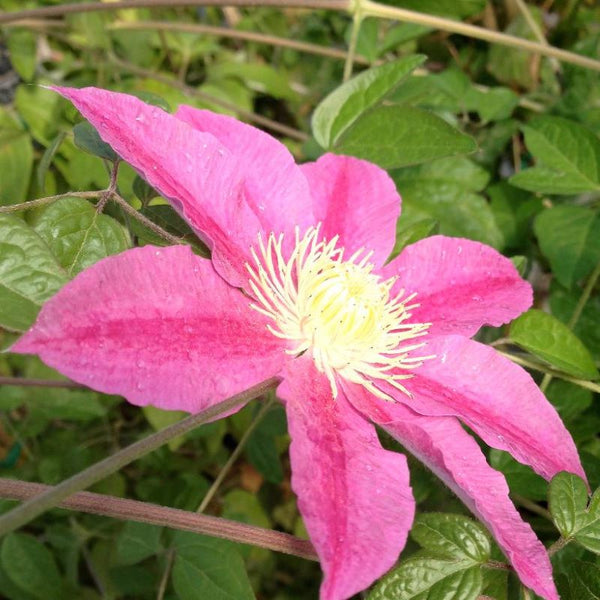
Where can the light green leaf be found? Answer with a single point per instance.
(398, 136)
(568, 498)
(410, 230)
(569, 238)
(16, 160)
(78, 235)
(569, 157)
(30, 566)
(136, 542)
(343, 106)
(21, 47)
(547, 338)
(207, 567)
(41, 109)
(430, 579)
(452, 536)
(29, 273)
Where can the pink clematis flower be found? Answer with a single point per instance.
(297, 287)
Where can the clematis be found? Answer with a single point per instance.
(298, 287)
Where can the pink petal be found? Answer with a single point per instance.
(276, 189)
(443, 446)
(460, 284)
(496, 398)
(357, 200)
(158, 326)
(203, 180)
(353, 495)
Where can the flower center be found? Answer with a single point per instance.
(337, 309)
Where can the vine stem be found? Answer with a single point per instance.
(145, 512)
(216, 484)
(374, 9)
(51, 383)
(357, 18)
(370, 9)
(542, 369)
(48, 499)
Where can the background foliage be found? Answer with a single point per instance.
(486, 142)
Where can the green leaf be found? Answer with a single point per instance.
(568, 155)
(30, 566)
(16, 160)
(159, 419)
(429, 579)
(547, 338)
(136, 542)
(21, 47)
(521, 478)
(568, 498)
(584, 580)
(397, 136)
(569, 238)
(41, 110)
(29, 273)
(240, 505)
(208, 568)
(87, 138)
(570, 400)
(343, 106)
(410, 230)
(78, 235)
(47, 158)
(452, 536)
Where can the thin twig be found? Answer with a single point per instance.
(373, 9)
(213, 490)
(145, 512)
(190, 91)
(532, 506)
(50, 383)
(237, 34)
(48, 200)
(543, 369)
(67, 9)
(559, 544)
(35, 506)
(354, 33)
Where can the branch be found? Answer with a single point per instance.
(50, 498)
(67, 9)
(144, 512)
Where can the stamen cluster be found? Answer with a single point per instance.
(338, 310)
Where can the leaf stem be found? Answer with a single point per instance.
(145, 512)
(542, 369)
(357, 18)
(374, 9)
(52, 383)
(48, 200)
(559, 544)
(35, 506)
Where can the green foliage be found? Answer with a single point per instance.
(546, 337)
(454, 548)
(482, 141)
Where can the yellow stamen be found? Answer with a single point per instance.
(338, 310)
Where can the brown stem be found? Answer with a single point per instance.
(144, 512)
(559, 544)
(65, 9)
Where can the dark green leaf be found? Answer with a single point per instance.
(569, 238)
(263, 455)
(569, 400)
(30, 566)
(567, 501)
(429, 579)
(521, 478)
(208, 568)
(29, 273)
(136, 542)
(569, 157)
(342, 107)
(452, 536)
(546, 337)
(87, 138)
(584, 580)
(397, 136)
(446, 8)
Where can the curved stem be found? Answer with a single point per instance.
(374, 9)
(144, 512)
(35, 506)
(356, 23)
